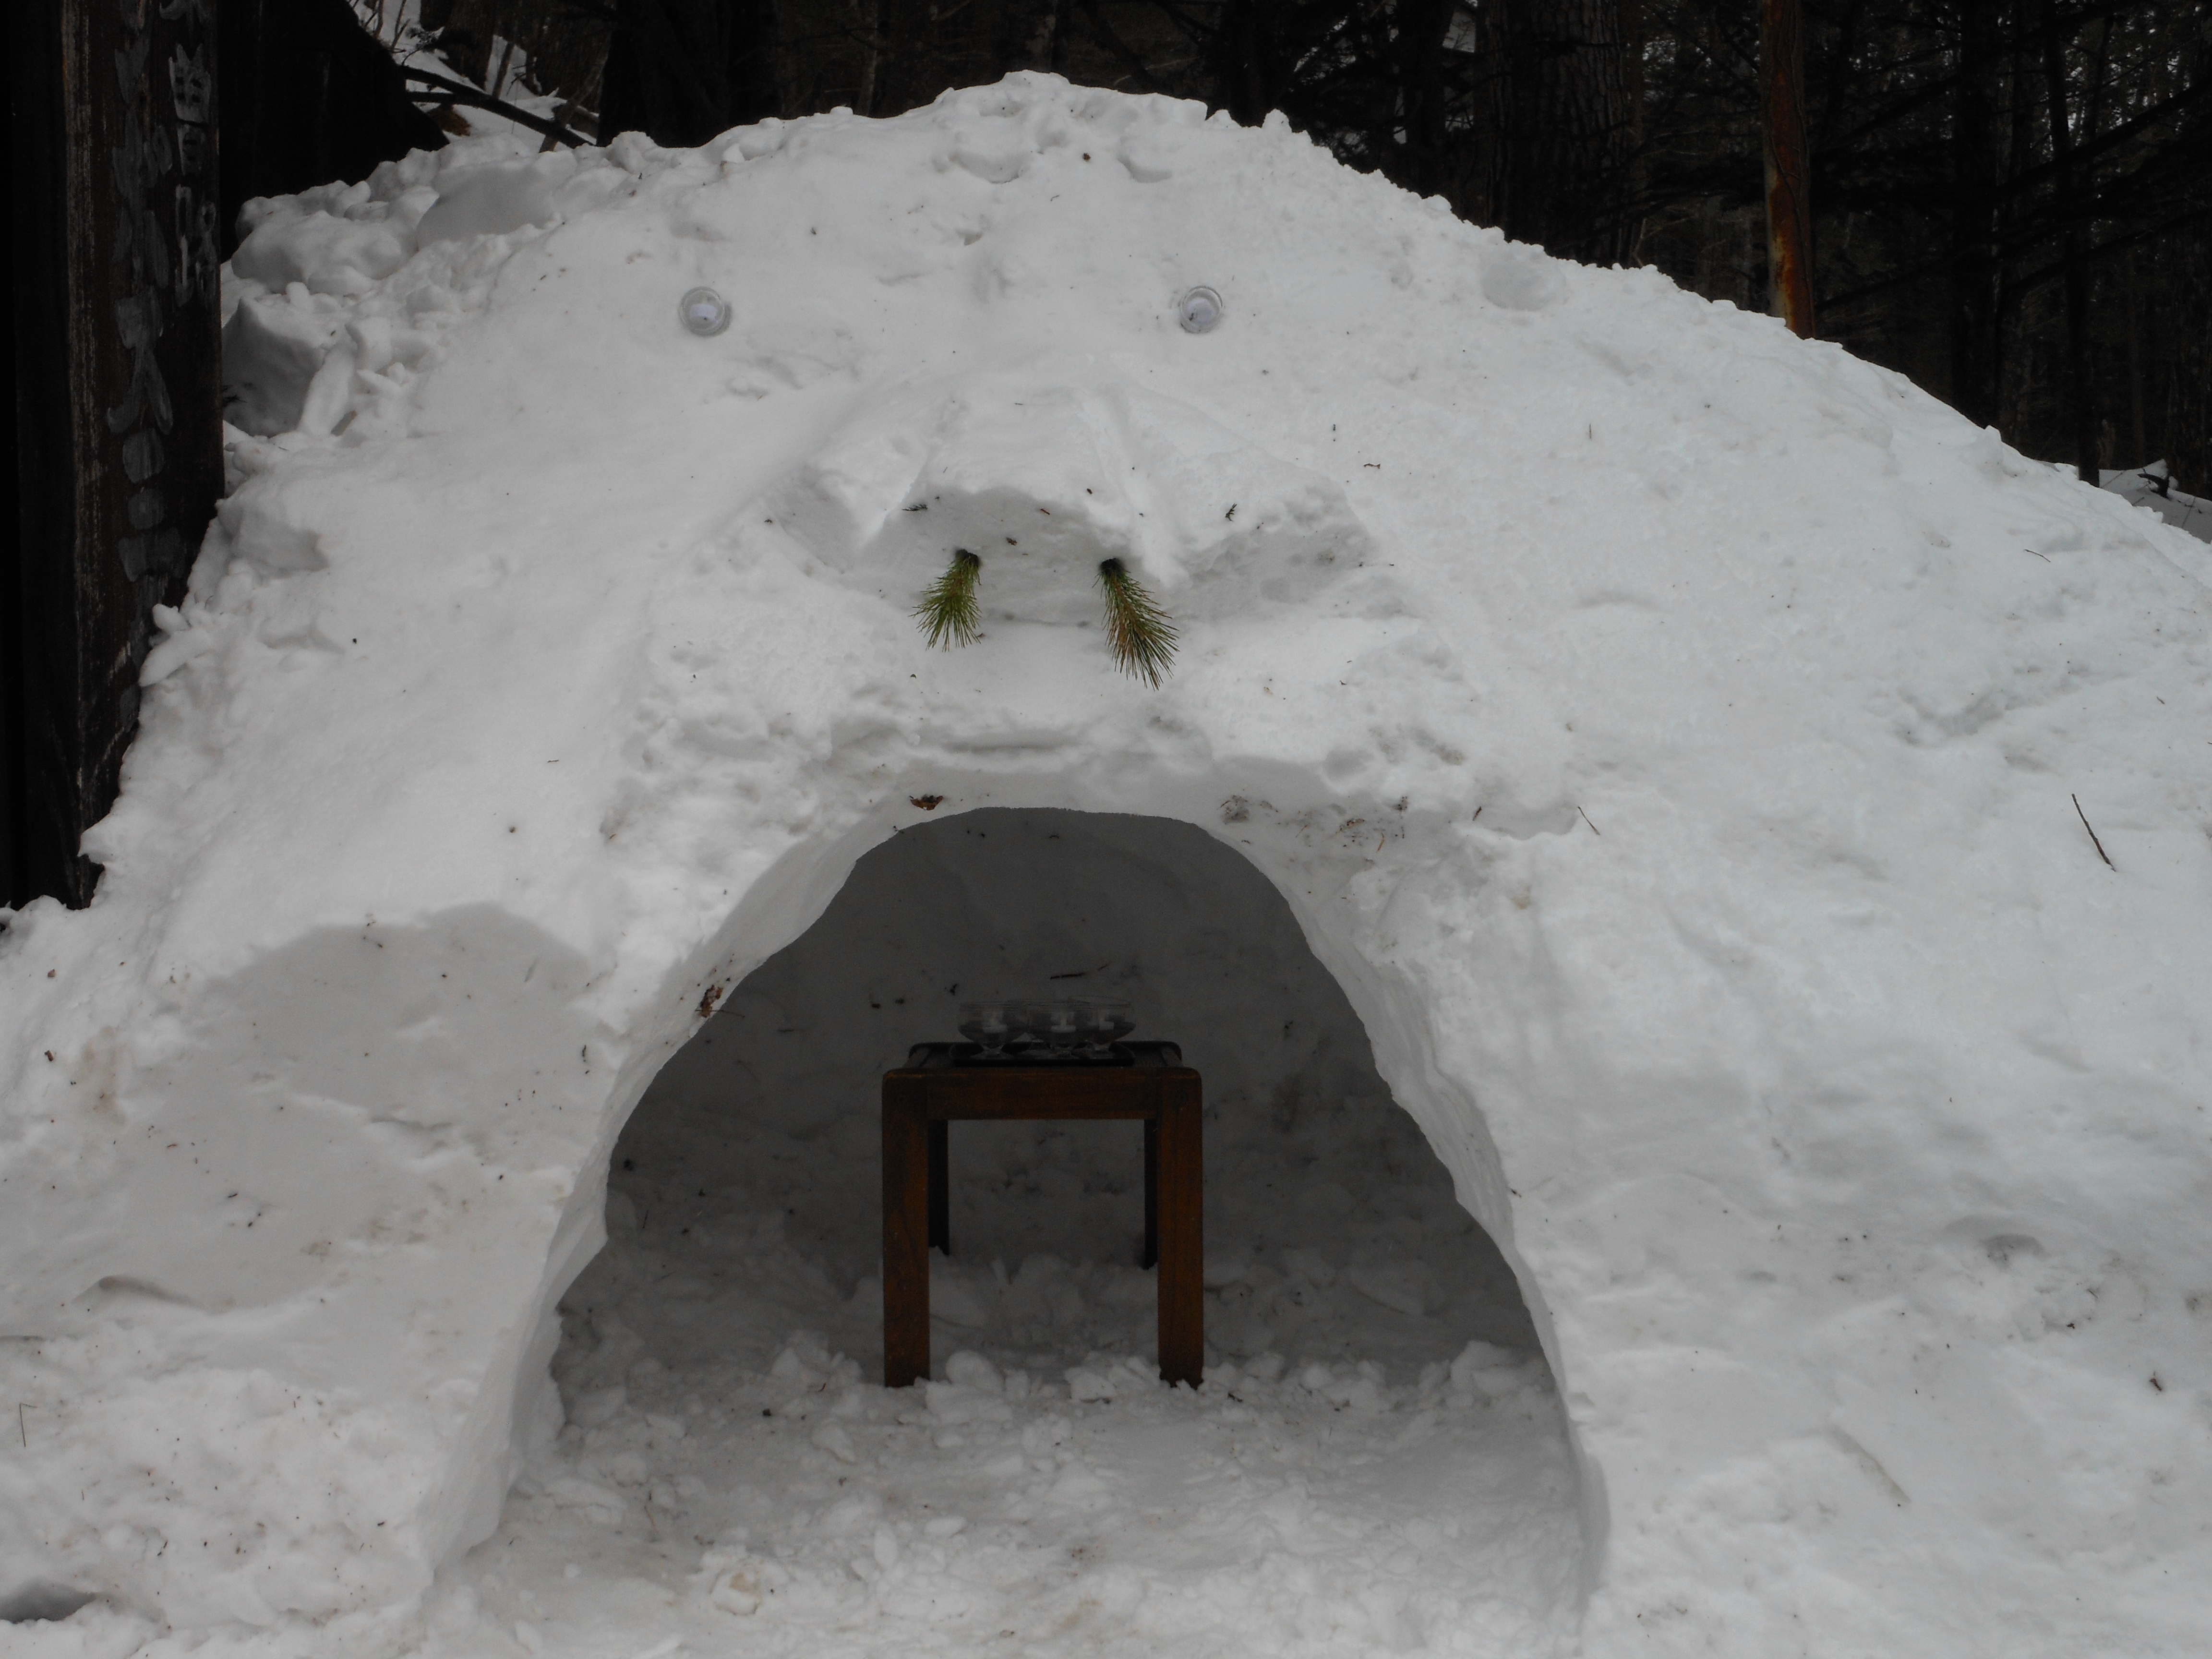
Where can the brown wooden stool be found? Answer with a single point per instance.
(942, 1081)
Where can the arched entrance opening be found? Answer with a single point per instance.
(1377, 1454)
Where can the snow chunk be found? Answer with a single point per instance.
(345, 253)
(598, 1407)
(495, 196)
(972, 1370)
(1408, 1286)
(274, 347)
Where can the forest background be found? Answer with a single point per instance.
(2012, 198)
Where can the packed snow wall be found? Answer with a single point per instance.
(1682, 743)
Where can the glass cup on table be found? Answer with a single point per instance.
(1102, 1022)
(1063, 1026)
(989, 1025)
(1033, 1027)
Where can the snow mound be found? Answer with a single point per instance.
(1682, 742)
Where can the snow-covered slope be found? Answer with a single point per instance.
(1670, 734)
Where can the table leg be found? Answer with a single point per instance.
(906, 1233)
(940, 1187)
(1182, 1234)
(1149, 1256)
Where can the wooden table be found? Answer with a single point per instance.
(939, 1082)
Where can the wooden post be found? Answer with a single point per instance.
(1181, 1188)
(116, 302)
(940, 1186)
(906, 1231)
(1149, 1255)
(1789, 173)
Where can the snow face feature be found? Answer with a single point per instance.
(704, 313)
(1200, 310)
(1674, 769)
(1044, 478)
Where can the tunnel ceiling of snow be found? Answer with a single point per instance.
(1682, 742)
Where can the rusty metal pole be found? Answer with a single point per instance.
(1789, 177)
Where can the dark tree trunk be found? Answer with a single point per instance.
(681, 71)
(1035, 36)
(751, 50)
(1561, 126)
(2189, 338)
(907, 71)
(115, 295)
(2181, 328)
(2081, 423)
(1789, 165)
(1241, 65)
(665, 75)
(1425, 167)
(2132, 283)
(1975, 268)
(309, 96)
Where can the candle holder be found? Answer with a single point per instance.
(989, 1025)
(1102, 1022)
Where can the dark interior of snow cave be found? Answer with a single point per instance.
(745, 1195)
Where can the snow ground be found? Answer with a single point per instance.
(1315, 1512)
(1377, 1461)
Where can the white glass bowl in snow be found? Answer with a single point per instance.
(1199, 311)
(704, 312)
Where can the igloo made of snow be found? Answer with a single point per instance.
(1759, 821)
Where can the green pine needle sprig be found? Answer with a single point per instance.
(1140, 634)
(947, 611)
